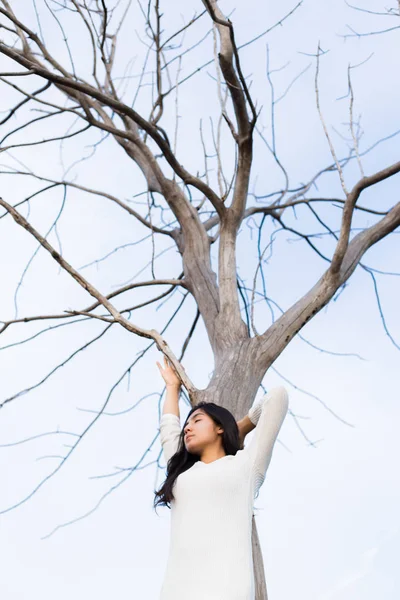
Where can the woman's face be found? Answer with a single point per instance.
(200, 431)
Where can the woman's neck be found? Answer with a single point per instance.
(211, 453)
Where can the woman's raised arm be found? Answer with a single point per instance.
(267, 415)
(170, 427)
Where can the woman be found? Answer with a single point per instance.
(210, 487)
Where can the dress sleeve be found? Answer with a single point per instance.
(170, 429)
(268, 415)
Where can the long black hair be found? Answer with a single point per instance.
(182, 460)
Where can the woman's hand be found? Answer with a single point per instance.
(168, 374)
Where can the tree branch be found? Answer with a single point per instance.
(150, 334)
(272, 342)
(84, 88)
(348, 210)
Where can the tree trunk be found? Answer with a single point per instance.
(258, 565)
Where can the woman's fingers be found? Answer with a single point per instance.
(167, 364)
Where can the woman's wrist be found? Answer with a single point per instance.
(173, 386)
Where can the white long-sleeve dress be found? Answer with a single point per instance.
(210, 553)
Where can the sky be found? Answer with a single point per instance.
(327, 513)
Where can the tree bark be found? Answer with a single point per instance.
(260, 583)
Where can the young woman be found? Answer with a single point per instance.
(211, 483)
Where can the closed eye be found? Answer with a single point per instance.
(196, 420)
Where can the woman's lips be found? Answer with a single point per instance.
(188, 437)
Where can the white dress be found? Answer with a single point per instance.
(210, 553)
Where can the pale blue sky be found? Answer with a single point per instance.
(327, 516)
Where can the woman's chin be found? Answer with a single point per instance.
(191, 448)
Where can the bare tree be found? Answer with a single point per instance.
(204, 208)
